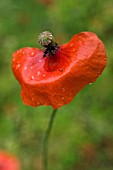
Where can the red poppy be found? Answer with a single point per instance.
(55, 79)
(8, 162)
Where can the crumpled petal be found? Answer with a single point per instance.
(55, 80)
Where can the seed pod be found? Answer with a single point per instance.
(45, 38)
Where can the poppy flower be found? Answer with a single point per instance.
(8, 162)
(54, 75)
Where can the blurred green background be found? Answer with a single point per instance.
(82, 136)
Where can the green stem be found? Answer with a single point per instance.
(46, 140)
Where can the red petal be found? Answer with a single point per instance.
(55, 80)
(8, 162)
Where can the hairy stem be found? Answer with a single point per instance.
(46, 140)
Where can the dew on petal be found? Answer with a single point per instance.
(38, 72)
(38, 102)
(20, 50)
(17, 66)
(23, 52)
(43, 75)
(74, 49)
(32, 54)
(62, 98)
(40, 61)
(31, 67)
(63, 89)
(32, 77)
(56, 101)
(25, 68)
(13, 59)
(71, 44)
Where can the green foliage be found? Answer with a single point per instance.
(82, 137)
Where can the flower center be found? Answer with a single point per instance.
(47, 40)
(51, 49)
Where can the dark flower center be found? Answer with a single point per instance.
(51, 49)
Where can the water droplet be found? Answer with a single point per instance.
(23, 52)
(18, 65)
(25, 68)
(38, 72)
(74, 49)
(71, 44)
(38, 102)
(56, 101)
(63, 89)
(62, 98)
(40, 61)
(32, 77)
(13, 59)
(20, 50)
(90, 83)
(31, 67)
(32, 54)
(43, 75)
(32, 98)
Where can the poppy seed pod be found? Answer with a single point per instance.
(45, 38)
(55, 75)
